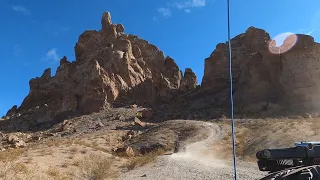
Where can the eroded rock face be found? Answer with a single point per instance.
(110, 66)
(299, 73)
(12, 111)
(189, 80)
(263, 78)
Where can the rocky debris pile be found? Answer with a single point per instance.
(13, 140)
(120, 120)
(110, 66)
(21, 140)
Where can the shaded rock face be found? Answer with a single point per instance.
(263, 78)
(110, 66)
(12, 111)
(299, 75)
(189, 80)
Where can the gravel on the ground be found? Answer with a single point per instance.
(168, 168)
(197, 163)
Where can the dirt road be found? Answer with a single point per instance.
(198, 162)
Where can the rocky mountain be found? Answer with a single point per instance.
(112, 67)
(267, 78)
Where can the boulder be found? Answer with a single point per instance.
(20, 144)
(139, 122)
(15, 141)
(12, 139)
(146, 113)
(125, 151)
(130, 134)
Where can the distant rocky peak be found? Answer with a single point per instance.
(110, 67)
(106, 20)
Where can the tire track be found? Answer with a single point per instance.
(198, 162)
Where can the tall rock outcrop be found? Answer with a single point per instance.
(189, 80)
(300, 72)
(110, 66)
(266, 77)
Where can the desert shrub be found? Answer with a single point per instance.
(96, 167)
(144, 159)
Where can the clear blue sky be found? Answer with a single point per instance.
(35, 34)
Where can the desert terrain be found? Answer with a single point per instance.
(118, 110)
(90, 153)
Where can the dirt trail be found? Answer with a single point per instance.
(198, 162)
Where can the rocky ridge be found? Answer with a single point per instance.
(110, 66)
(267, 79)
(113, 68)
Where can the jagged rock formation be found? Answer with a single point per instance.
(189, 80)
(12, 111)
(110, 66)
(264, 79)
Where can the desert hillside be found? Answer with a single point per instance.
(118, 110)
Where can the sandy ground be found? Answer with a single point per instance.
(208, 154)
(198, 162)
(70, 158)
(211, 158)
(174, 168)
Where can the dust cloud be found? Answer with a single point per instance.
(200, 152)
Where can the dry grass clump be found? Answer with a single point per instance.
(45, 152)
(315, 127)
(94, 145)
(95, 167)
(9, 168)
(82, 143)
(8, 164)
(83, 151)
(11, 154)
(145, 159)
(241, 142)
(74, 149)
(16, 171)
(60, 142)
(253, 135)
(53, 172)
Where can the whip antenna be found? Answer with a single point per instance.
(231, 96)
